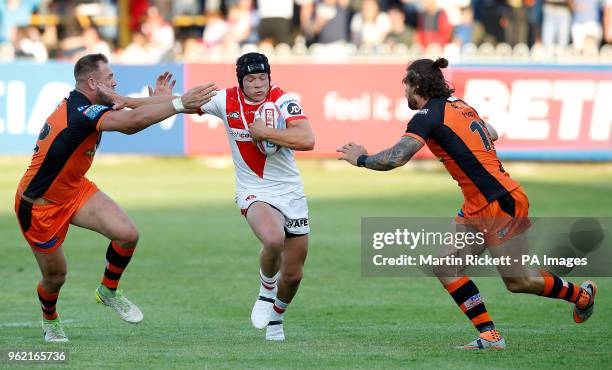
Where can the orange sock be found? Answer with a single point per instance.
(48, 302)
(117, 260)
(556, 287)
(467, 296)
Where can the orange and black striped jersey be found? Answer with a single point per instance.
(64, 150)
(454, 132)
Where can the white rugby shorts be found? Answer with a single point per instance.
(292, 206)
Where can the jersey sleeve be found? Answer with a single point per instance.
(288, 104)
(215, 105)
(421, 125)
(89, 117)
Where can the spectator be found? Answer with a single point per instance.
(411, 11)
(29, 45)
(275, 21)
(13, 14)
(452, 8)
(556, 23)
(159, 33)
(215, 31)
(534, 20)
(489, 13)
(463, 33)
(370, 26)
(242, 21)
(433, 26)
(193, 50)
(137, 51)
(138, 12)
(94, 44)
(515, 22)
(586, 28)
(329, 23)
(400, 33)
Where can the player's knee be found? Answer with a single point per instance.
(517, 284)
(55, 279)
(128, 238)
(274, 241)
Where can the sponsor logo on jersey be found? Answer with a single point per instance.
(294, 109)
(468, 114)
(92, 111)
(423, 111)
(293, 223)
(240, 134)
(250, 197)
(233, 115)
(282, 105)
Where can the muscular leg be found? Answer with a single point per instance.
(521, 279)
(516, 277)
(53, 269)
(461, 288)
(268, 225)
(101, 214)
(292, 264)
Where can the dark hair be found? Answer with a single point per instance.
(251, 63)
(88, 64)
(428, 78)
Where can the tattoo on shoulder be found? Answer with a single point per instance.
(396, 156)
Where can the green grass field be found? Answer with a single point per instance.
(195, 276)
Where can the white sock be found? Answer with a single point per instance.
(278, 310)
(268, 284)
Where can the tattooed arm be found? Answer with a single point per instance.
(396, 156)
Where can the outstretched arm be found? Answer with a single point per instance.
(396, 156)
(132, 121)
(162, 93)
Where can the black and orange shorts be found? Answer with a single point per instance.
(45, 226)
(501, 219)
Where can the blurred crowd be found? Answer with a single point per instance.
(189, 30)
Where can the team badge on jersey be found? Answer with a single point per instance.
(91, 111)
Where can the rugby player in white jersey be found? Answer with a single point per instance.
(269, 190)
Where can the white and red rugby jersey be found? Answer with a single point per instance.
(276, 174)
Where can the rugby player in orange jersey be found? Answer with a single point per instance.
(54, 192)
(494, 203)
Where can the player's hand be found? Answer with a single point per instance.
(258, 129)
(163, 85)
(119, 102)
(351, 151)
(197, 96)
